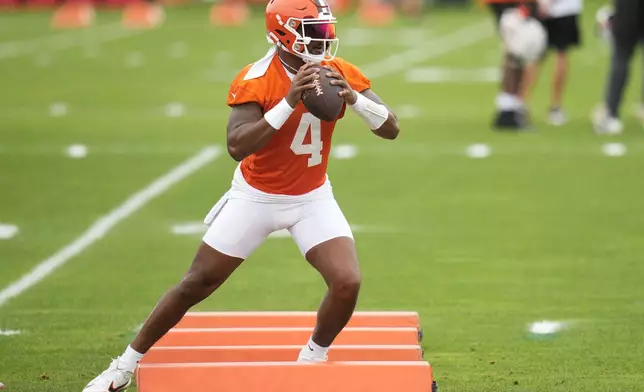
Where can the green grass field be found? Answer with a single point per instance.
(546, 227)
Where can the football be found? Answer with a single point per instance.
(323, 100)
(524, 37)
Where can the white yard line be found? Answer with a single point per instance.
(453, 75)
(9, 332)
(8, 231)
(67, 40)
(106, 223)
(433, 48)
(483, 149)
(598, 147)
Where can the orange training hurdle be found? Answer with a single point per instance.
(284, 336)
(293, 319)
(206, 354)
(415, 376)
(258, 351)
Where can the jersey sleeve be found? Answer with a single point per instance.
(357, 80)
(244, 91)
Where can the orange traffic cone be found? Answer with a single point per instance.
(142, 15)
(376, 12)
(73, 15)
(9, 5)
(339, 7)
(229, 13)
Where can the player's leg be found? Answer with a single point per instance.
(640, 109)
(325, 239)
(608, 122)
(560, 77)
(337, 262)
(511, 113)
(625, 36)
(531, 71)
(565, 36)
(209, 270)
(530, 77)
(238, 228)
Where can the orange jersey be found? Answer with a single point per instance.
(294, 161)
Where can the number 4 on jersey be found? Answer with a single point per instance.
(314, 149)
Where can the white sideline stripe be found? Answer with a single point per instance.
(431, 49)
(48, 44)
(106, 223)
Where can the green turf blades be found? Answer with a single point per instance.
(544, 225)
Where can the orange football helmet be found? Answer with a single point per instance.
(305, 28)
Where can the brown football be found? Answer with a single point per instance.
(323, 100)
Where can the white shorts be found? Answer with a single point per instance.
(244, 217)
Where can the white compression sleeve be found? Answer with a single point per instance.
(277, 116)
(374, 114)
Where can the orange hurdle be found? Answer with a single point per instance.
(286, 377)
(284, 336)
(278, 354)
(293, 319)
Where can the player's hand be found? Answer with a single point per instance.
(349, 95)
(303, 80)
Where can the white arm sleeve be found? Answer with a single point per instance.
(374, 114)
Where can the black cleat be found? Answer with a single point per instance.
(510, 120)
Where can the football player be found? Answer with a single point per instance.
(280, 183)
(625, 26)
(511, 112)
(560, 18)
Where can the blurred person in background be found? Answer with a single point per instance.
(560, 19)
(624, 26)
(511, 113)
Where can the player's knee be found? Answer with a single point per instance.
(347, 287)
(514, 62)
(199, 284)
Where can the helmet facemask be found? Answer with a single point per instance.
(315, 38)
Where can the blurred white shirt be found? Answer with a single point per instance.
(561, 8)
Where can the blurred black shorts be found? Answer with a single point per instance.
(563, 32)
